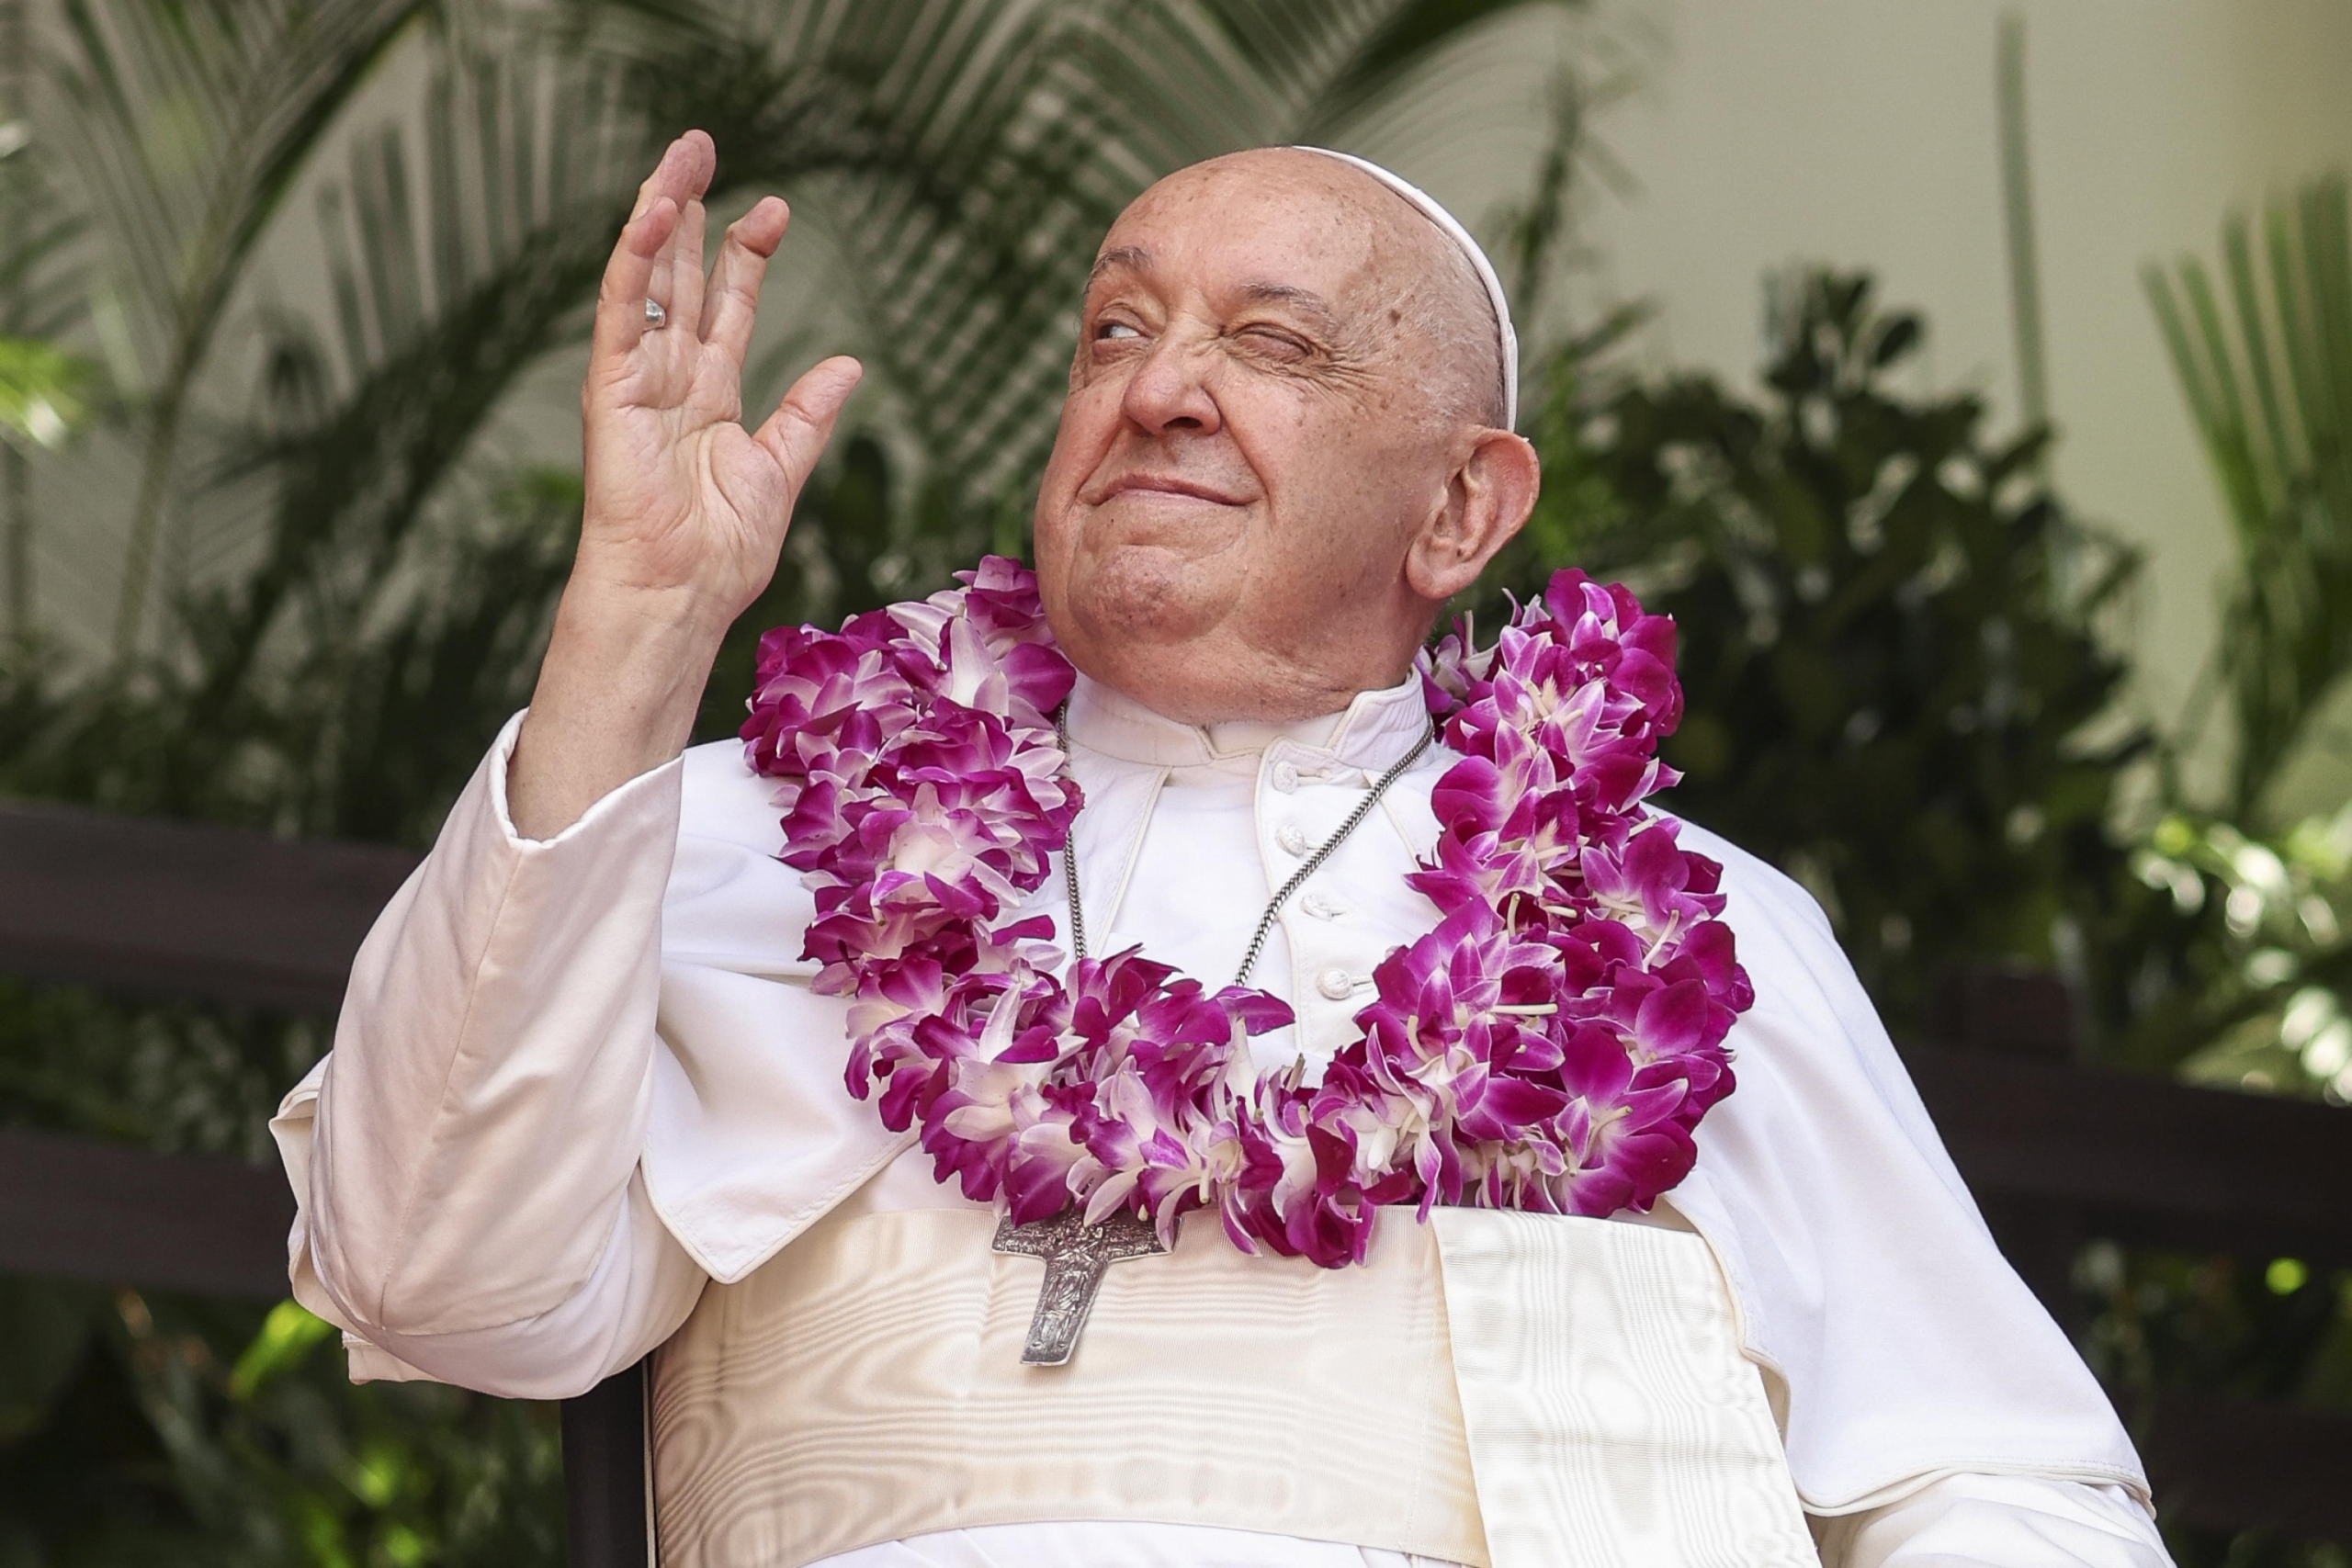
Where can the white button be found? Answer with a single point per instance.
(1335, 984)
(1285, 777)
(1290, 838)
(1321, 907)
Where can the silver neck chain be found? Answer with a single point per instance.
(1297, 879)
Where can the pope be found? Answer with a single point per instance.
(1151, 1064)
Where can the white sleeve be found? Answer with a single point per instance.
(467, 1159)
(1997, 1521)
(1864, 1275)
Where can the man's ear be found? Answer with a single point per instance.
(1486, 502)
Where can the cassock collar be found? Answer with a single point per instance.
(1374, 731)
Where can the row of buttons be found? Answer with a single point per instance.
(1322, 906)
(1290, 835)
(1335, 984)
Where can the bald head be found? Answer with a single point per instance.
(1419, 283)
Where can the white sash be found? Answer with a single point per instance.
(1610, 1414)
(1501, 1390)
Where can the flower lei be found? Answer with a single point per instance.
(1550, 1046)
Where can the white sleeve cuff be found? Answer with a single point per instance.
(1998, 1521)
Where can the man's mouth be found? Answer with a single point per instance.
(1165, 486)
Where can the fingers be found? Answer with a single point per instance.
(797, 433)
(684, 173)
(628, 280)
(683, 176)
(677, 272)
(733, 299)
(680, 179)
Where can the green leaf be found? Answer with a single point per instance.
(44, 392)
(288, 1335)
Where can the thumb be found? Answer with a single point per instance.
(794, 436)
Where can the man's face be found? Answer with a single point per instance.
(1248, 443)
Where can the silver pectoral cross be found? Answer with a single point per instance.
(1077, 1255)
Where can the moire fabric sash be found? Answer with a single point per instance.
(1500, 1390)
(1612, 1418)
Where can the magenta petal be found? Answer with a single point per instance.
(1673, 1020)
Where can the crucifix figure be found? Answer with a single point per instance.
(1077, 1255)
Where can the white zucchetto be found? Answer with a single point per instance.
(1435, 212)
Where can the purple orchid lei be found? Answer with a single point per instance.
(1549, 1046)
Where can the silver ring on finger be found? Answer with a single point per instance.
(655, 316)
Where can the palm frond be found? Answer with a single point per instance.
(2268, 384)
(188, 122)
(40, 295)
(1357, 53)
(435, 319)
(46, 390)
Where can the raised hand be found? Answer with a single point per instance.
(681, 497)
(686, 509)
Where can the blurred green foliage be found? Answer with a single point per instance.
(2263, 348)
(1899, 687)
(2262, 863)
(146, 1447)
(2267, 1005)
(43, 391)
(1888, 641)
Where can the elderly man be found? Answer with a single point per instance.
(1393, 1250)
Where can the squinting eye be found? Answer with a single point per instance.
(1278, 343)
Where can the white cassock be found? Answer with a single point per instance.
(576, 1080)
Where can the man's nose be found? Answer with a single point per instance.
(1170, 389)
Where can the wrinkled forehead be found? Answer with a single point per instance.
(1271, 221)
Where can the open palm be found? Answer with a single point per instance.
(680, 495)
